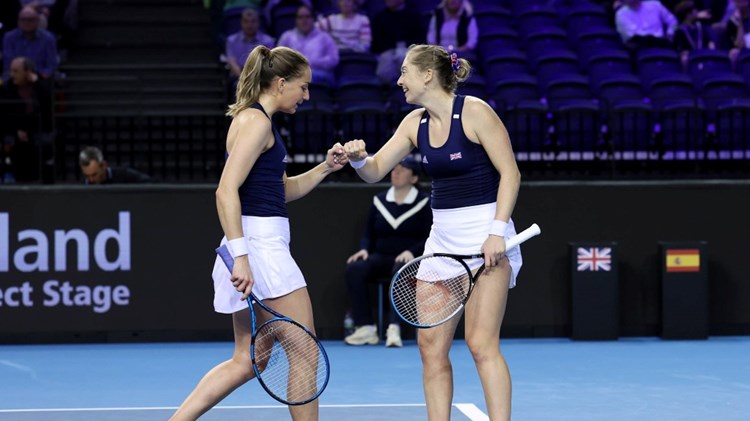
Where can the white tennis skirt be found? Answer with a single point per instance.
(464, 230)
(274, 270)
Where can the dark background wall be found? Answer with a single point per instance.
(174, 229)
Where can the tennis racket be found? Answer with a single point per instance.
(431, 289)
(288, 360)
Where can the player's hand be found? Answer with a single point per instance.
(405, 256)
(242, 278)
(493, 250)
(336, 157)
(355, 150)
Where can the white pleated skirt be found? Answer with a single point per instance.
(274, 270)
(464, 230)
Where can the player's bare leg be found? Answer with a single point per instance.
(484, 316)
(221, 380)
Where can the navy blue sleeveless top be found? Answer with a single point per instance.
(262, 193)
(462, 173)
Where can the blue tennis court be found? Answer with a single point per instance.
(553, 379)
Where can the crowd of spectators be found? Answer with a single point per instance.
(35, 33)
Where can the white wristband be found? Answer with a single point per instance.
(358, 164)
(497, 227)
(238, 247)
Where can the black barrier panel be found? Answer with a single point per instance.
(684, 286)
(174, 230)
(123, 261)
(595, 304)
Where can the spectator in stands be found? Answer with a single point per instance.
(349, 29)
(393, 30)
(26, 123)
(738, 28)
(97, 171)
(28, 40)
(645, 24)
(319, 48)
(453, 27)
(397, 226)
(240, 44)
(691, 34)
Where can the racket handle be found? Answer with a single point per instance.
(223, 252)
(522, 236)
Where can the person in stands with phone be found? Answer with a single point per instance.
(466, 150)
(397, 225)
(251, 202)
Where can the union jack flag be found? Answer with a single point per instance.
(594, 259)
(456, 155)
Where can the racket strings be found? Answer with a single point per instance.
(291, 364)
(429, 291)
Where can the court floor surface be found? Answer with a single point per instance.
(553, 379)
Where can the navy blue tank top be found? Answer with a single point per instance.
(462, 173)
(262, 193)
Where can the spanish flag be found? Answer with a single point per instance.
(683, 260)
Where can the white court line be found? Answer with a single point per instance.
(468, 409)
(471, 411)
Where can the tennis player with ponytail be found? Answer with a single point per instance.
(466, 151)
(251, 202)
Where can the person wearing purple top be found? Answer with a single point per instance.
(251, 203)
(314, 44)
(239, 44)
(466, 151)
(28, 40)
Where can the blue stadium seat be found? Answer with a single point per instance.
(671, 89)
(577, 128)
(357, 94)
(722, 89)
(498, 39)
(356, 67)
(589, 41)
(630, 127)
(604, 63)
(585, 16)
(733, 129)
(542, 40)
(619, 88)
(654, 63)
(531, 20)
(311, 131)
(502, 64)
(706, 64)
(492, 18)
(510, 92)
(564, 88)
(553, 63)
(527, 126)
(476, 86)
(283, 18)
(743, 65)
(682, 128)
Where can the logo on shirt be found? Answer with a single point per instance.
(286, 159)
(424, 159)
(455, 156)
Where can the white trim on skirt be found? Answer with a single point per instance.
(464, 230)
(274, 270)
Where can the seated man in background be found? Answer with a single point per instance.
(645, 24)
(397, 226)
(242, 42)
(29, 40)
(97, 171)
(26, 116)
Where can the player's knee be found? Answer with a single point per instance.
(482, 349)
